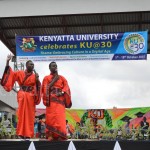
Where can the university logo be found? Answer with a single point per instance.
(134, 43)
(94, 113)
(28, 45)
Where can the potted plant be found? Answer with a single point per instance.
(13, 131)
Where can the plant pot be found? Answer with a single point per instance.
(13, 136)
(7, 136)
(2, 136)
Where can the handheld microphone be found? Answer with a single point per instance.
(36, 74)
(34, 71)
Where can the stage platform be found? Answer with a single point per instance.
(79, 144)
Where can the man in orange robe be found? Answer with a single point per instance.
(56, 97)
(28, 96)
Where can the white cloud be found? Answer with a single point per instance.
(101, 84)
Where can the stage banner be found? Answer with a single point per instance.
(110, 46)
(108, 118)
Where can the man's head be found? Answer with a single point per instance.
(29, 66)
(40, 118)
(78, 123)
(53, 67)
(128, 121)
(5, 117)
(144, 119)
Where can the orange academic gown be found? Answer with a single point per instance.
(55, 110)
(26, 99)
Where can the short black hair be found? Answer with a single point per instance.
(78, 123)
(51, 63)
(28, 62)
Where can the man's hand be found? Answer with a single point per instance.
(8, 59)
(59, 94)
(36, 75)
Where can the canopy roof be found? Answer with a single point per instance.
(72, 24)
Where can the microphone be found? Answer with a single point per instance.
(56, 71)
(34, 71)
(36, 74)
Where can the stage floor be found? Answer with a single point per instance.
(47, 140)
(16, 144)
